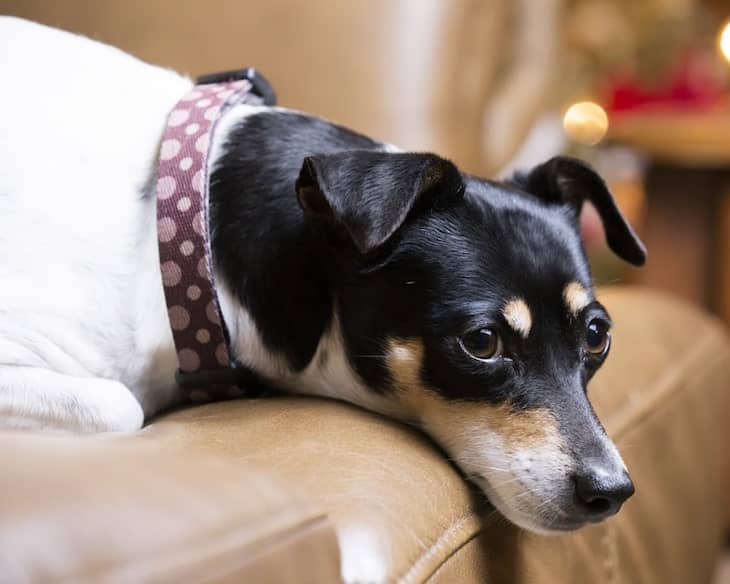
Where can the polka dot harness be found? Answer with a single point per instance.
(207, 371)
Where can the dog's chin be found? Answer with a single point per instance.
(554, 528)
(553, 522)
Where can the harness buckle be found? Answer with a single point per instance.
(259, 84)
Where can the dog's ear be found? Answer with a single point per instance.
(371, 193)
(568, 181)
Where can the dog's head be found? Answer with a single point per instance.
(469, 306)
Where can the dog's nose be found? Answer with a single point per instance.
(601, 493)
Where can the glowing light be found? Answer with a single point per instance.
(586, 122)
(724, 41)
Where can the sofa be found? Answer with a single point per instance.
(287, 489)
(292, 489)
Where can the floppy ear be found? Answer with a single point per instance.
(371, 193)
(564, 180)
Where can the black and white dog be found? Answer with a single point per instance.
(345, 267)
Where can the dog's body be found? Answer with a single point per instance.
(387, 279)
(81, 127)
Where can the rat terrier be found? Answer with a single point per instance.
(345, 268)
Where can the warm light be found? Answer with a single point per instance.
(725, 41)
(586, 122)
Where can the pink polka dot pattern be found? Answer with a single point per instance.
(189, 359)
(201, 144)
(221, 353)
(166, 187)
(171, 274)
(203, 268)
(183, 235)
(169, 149)
(198, 223)
(187, 247)
(178, 117)
(212, 313)
(211, 113)
(192, 96)
(197, 182)
(166, 229)
(179, 318)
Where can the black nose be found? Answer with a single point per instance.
(601, 493)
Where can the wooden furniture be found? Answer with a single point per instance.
(687, 227)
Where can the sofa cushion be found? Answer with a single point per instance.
(129, 508)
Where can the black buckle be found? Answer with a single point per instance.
(235, 375)
(206, 378)
(259, 83)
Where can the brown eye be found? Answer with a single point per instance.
(597, 337)
(482, 343)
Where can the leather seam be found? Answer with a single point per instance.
(453, 531)
(610, 563)
(453, 552)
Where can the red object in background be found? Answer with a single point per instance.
(694, 84)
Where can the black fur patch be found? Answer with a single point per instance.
(407, 247)
(280, 266)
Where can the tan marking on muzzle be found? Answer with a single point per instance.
(576, 297)
(519, 453)
(451, 421)
(518, 316)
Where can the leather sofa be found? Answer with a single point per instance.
(261, 490)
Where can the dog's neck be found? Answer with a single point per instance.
(276, 275)
(274, 285)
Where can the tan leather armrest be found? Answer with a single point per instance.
(132, 509)
(199, 491)
(402, 509)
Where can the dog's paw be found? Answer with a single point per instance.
(42, 400)
(124, 415)
(362, 557)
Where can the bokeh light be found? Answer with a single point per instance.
(585, 122)
(724, 41)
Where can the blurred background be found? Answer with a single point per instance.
(641, 89)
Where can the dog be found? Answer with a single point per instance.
(345, 268)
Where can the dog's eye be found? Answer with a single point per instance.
(597, 337)
(483, 343)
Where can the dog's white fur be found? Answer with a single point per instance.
(85, 343)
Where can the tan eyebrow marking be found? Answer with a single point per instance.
(576, 297)
(518, 316)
